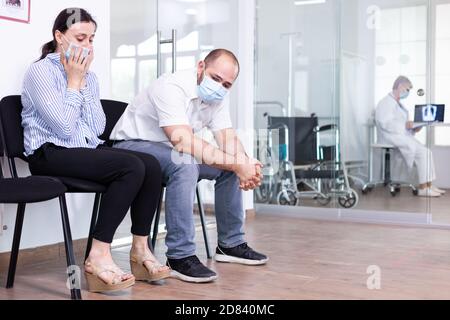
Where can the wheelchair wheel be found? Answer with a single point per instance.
(287, 198)
(350, 200)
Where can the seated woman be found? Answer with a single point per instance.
(62, 118)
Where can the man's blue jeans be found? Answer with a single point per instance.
(181, 181)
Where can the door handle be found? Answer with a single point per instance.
(162, 41)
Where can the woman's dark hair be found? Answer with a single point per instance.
(63, 22)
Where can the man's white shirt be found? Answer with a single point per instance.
(171, 100)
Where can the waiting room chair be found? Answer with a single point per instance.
(113, 111)
(11, 119)
(32, 190)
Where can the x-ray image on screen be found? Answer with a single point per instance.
(429, 113)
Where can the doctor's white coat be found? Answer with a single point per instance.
(391, 118)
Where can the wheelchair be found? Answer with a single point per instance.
(298, 166)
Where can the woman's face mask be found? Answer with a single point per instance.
(73, 47)
(211, 91)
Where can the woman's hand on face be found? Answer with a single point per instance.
(89, 59)
(75, 67)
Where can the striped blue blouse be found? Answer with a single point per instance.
(53, 113)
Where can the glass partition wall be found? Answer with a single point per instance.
(327, 64)
(297, 92)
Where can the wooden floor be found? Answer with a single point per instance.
(309, 260)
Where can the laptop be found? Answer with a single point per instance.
(428, 113)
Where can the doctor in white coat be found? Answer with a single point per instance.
(394, 128)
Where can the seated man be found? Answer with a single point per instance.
(394, 128)
(162, 121)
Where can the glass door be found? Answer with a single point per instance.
(296, 94)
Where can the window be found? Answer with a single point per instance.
(401, 49)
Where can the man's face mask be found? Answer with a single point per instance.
(404, 94)
(72, 47)
(211, 91)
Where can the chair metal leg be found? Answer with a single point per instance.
(387, 173)
(15, 245)
(98, 198)
(152, 243)
(70, 256)
(386, 179)
(203, 220)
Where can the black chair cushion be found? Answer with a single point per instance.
(29, 190)
(81, 186)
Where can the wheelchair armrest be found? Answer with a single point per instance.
(327, 127)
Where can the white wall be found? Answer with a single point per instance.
(21, 45)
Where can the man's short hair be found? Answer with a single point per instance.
(217, 53)
(401, 80)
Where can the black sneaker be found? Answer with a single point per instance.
(242, 254)
(190, 269)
